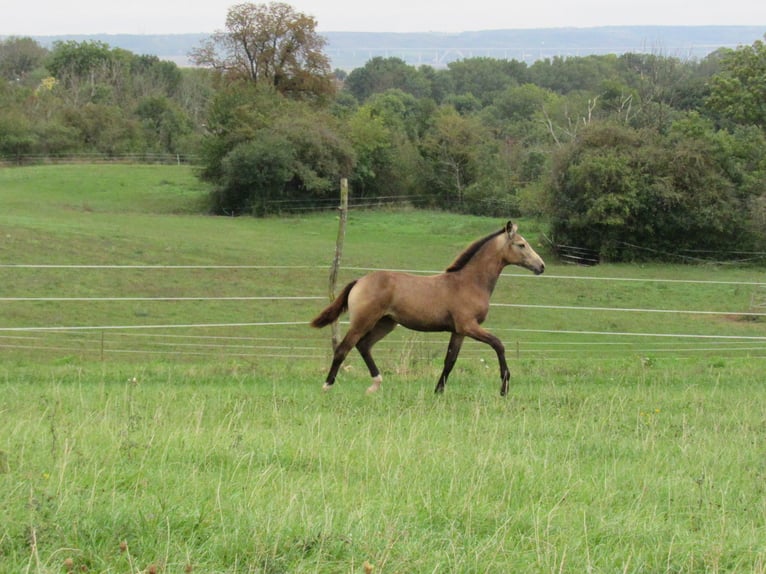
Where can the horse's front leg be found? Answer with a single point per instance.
(481, 334)
(453, 350)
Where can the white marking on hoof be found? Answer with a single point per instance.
(375, 386)
(326, 387)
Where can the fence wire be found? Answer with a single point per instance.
(282, 332)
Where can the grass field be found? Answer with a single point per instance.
(212, 449)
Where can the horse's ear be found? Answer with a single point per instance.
(511, 228)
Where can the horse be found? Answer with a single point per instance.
(455, 301)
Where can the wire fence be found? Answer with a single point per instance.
(94, 157)
(179, 327)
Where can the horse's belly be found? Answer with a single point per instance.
(426, 320)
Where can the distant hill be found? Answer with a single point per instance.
(349, 50)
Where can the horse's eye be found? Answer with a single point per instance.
(522, 245)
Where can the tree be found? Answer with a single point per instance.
(738, 92)
(658, 82)
(518, 113)
(382, 74)
(387, 161)
(234, 116)
(164, 123)
(16, 136)
(486, 77)
(82, 70)
(564, 74)
(286, 150)
(152, 77)
(103, 128)
(453, 149)
(270, 44)
(401, 112)
(298, 160)
(19, 57)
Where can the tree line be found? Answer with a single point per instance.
(631, 156)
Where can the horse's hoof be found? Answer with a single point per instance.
(375, 386)
(326, 387)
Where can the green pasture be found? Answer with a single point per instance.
(147, 222)
(630, 441)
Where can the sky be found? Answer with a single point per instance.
(62, 17)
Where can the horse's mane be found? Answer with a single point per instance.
(468, 253)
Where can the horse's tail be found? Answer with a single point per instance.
(334, 309)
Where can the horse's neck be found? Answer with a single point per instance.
(485, 267)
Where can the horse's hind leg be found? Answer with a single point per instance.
(356, 332)
(455, 342)
(339, 356)
(341, 351)
(364, 346)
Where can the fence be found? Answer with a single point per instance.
(553, 316)
(91, 158)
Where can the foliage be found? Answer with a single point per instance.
(16, 137)
(485, 78)
(388, 163)
(480, 135)
(283, 148)
(269, 44)
(635, 195)
(263, 144)
(103, 128)
(382, 74)
(453, 148)
(19, 57)
(233, 117)
(255, 173)
(564, 75)
(89, 97)
(739, 91)
(164, 122)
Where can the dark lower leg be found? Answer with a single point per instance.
(485, 336)
(337, 360)
(364, 346)
(505, 375)
(341, 351)
(453, 349)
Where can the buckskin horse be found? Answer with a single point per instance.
(456, 301)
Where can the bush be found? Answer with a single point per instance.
(294, 161)
(630, 194)
(254, 174)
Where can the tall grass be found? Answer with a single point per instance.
(613, 467)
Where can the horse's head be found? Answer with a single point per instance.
(518, 252)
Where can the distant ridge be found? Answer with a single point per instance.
(348, 50)
(351, 49)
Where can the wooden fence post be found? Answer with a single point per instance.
(343, 208)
